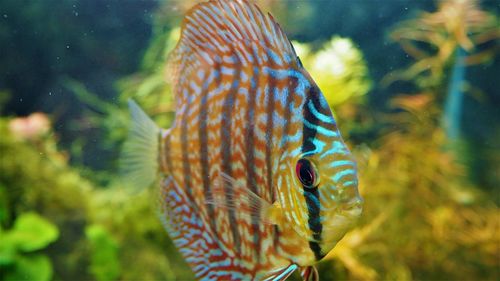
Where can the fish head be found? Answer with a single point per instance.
(322, 201)
(340, 204)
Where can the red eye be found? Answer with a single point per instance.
(306, 173)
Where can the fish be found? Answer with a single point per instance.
(255, 180)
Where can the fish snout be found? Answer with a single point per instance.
(354, 203)
(351, 201)
(354, 207)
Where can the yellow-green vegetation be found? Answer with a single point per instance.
(422, 218)
(339, 69)
(30, 233)
(104, 258)
(35, 177)
(425, 218)
(433, 38)
(104, 234)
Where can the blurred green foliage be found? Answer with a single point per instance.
(104, 258)
(338, 67)
(30, 233)
(433, 38)
(97, 239)
(425, 216)
(36, 177)
(423, 219)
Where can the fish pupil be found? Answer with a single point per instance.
(306, 173)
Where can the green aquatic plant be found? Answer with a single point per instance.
(338, 68)
(457, 35)
(105, 264)
(35, 176)
(433, 38)
(422, 219)
(20, 256)
(107, 234)
(130, 221)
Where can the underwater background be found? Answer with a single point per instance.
(415, 90)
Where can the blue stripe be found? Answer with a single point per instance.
(216, 252)
(276, 59)
(342, 174)
(348, 183)
(195, 87)
(320, 116)
(321, 130)
(338, 148)
(215, 74)
(181, 242)
(200, 270)
(265, 58)
(205, 56)
(244, 77)
(256, 51)
(176, 196)
(285, 273)
(227, 70)
(318, 146)
(292, 138)
(339, 163)
(302, 84)
(207, 237)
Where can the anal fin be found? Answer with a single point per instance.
(196, 242)
(187, 230)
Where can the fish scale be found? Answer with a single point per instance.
(247, 111)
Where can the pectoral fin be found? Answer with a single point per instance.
(309, 273)
(241, 199)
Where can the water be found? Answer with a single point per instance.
(68, 68)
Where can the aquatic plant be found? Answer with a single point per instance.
(97, 221)
(20, 257)
(423, 218)
(457, 35)
(104, 264)
(422, 204)
(339, 69)
(35, 176)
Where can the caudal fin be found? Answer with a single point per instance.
(139, 161)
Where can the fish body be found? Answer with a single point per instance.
(255, 179)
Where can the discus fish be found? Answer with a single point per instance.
(255, 179)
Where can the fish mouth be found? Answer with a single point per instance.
(340, 224)
(336, 225)
(353, 208)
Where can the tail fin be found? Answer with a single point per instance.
(139, 162)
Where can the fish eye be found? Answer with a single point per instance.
(306, 172)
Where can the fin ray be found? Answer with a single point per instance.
(242, 199)
(139, 159)
(281, 274)
(309, 273)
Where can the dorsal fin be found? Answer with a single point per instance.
(220, 28)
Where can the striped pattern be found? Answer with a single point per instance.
(247, 109)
